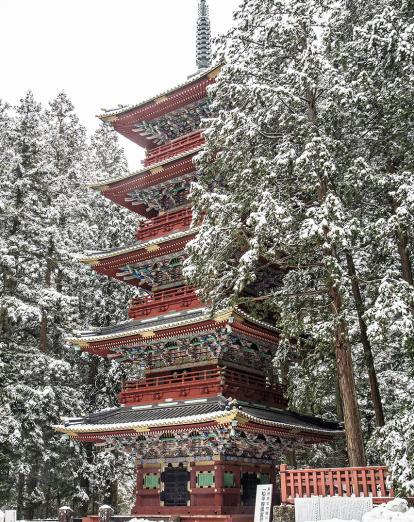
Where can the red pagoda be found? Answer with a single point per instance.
(205, 419)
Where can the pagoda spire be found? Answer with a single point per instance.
(203, 37)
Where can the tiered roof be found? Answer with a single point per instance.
(183, 415)
(149, 123)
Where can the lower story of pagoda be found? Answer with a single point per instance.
(204, 458)
(194, 486)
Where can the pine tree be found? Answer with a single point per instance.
(308, 167)
(271, 186)
(49, 218)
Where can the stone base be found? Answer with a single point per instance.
(284, 513)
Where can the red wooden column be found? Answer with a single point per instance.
(219, 485)
(283, 484)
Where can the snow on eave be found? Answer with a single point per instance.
(222, 417)
(148, 329)
(256, 321)
(94, 258)
(116, 112)
(104, 185)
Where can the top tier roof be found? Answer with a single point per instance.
(125, 119)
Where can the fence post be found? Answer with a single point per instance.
(105, 513)
(283, 484)
(65, 514)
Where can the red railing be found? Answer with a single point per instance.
(254, 387)
(174, 148)
(370, 481)
(202, 383)
(161, 225)
(185, 385)
(182, 298)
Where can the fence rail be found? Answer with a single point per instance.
(370, 481)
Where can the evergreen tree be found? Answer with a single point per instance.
(49, 218)
(270, 187)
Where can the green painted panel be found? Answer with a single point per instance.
(229, 480)
(151, 481)
(264, 478)
(205, 479)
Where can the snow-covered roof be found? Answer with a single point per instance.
(145, 327)
(133, 327)
(93, 257)
(104, 185)
(142, 418)
(122, 110)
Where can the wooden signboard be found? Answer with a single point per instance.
(263, 505)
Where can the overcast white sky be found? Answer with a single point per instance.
(101, 52)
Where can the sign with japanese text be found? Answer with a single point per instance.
(263, 503)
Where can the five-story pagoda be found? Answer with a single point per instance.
(206, 421)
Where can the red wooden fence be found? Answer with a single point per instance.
(367, 481)
(174, 148)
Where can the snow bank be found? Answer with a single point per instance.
(395, 511)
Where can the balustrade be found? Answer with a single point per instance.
(370, 481)
(164, 224)
(174, 299)
(174, 148)
(201, 383)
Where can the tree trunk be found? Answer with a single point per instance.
(366, 345)
(20, 492)
(346, 381)
(338, 400)
(403, 251)
(43, 323)
(343, 357)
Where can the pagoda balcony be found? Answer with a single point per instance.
(164, 224)
(174, 148)
(174, 299)
(203, 384)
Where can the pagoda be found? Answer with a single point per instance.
(204, 418)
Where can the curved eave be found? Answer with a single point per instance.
(124, 119)
(148, 330)
(137, 333)
(118, 189)
(130, 254)
(223, 418)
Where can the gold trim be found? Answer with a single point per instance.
(224, 316)
(157, 170)
(145, 335)
(214, 73)
(141, 429)
(90, 262)
(233, 416)
(109, 119)
(152, 248)
(160, 100)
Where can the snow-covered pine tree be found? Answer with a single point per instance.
(380, 69)
(104, 475)
(272, 182)
(48, 217)
(36, 386)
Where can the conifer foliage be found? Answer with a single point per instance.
(47, 218)
(308, 168)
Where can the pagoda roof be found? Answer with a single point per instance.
(95, 257)
(128, 108)
(125, 118)
(142, 177)
(140, 419)
(147, 328)
(131, 328)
